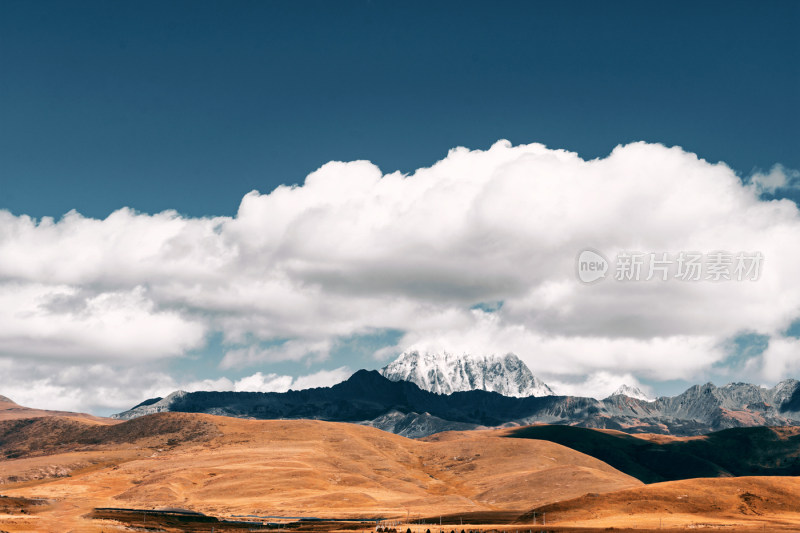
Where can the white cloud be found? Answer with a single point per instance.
(779, 360)
(353, 251)
(99, 388)
(45, 320)
(219, 384)
(323, 378)
(259, 382)
(554, 357)
(106, 389)
(598, 385)
(779, 177)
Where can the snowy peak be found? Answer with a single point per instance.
(631, 392)
(445, 373)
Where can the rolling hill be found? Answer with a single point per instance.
(726, 504)
(227, 466)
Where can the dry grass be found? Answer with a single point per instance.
(227, 466)
(303, 468)
(769, 503)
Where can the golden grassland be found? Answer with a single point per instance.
(226, 467)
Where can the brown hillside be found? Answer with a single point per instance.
(305, 468)
(717, 502)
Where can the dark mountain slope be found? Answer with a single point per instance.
(758, 451)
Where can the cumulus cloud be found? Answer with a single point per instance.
(108, 388)
(781, 359)
(45, 320)
(779, 177)
(353, 251)
(271, 382)
(598, 385)
(551, 356)
(259, 382)
(95, 387)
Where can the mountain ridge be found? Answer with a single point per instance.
(367, 398)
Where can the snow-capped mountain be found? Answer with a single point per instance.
(445, 373)
(401, 407)
(631, 392)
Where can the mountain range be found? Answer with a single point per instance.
(402, 407)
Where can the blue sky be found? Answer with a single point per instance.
(189, 106)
